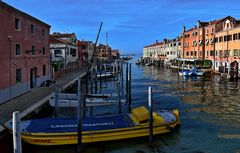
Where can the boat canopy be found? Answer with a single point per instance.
(57, 125)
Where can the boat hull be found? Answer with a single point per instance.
(96, 136)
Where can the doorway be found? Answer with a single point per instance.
(33, 77)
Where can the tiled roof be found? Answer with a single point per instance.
(59, 35)
(53, 40)
(220, 20)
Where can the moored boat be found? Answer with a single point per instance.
(63, 131)
(90, 102)
(185, 72)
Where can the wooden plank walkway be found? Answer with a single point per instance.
(32, 100)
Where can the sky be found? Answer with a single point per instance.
(130, 24)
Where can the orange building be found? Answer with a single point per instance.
(211, 29)
(227, 47)
(192, 41)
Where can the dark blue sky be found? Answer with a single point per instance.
(131, 24)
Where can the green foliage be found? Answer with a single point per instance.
(57, 65)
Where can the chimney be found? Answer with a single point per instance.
(184, 29)
(198, 23)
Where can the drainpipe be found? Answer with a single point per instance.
(10, 66)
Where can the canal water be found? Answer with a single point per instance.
(209, 109)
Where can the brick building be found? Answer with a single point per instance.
(24, 52)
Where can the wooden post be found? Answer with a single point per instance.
(117, 70)
(129, 88)
(86, 82)
(100, 80)
(79, 114)
(56, 101)
(118, 98)
(150, 114)
(96, 80)
(122, 78)
(84, 99)
(17, 143)
(91, 80)
(127, 83)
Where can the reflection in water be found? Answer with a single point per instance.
(209, 106)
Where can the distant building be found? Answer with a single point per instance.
(24, 52)
(63, 48)
(103, 52)
(85, 51)
(115, 54)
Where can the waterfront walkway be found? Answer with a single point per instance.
(32, 100)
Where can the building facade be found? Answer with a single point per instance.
(24, 52)
(63, 47)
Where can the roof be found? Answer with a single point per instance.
(155, 44)
(63, 35)
(220, 20)
(53, 40)
(15, 10)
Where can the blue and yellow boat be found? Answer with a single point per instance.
(63, 131)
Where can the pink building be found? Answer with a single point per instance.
(24, 52)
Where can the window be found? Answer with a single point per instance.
(207, 53)
(235, 52)
(57, 53)
(200, 53)
(44, 70)
(191, 53)
(225, 38)
(235, 36)
(33, 50)
(43, 51)
(226, 53)
(216, 39)
(17, 24)
(18, 49)
(216, 53)
(43, 32)
(187, 53)
(238, 35)
(211, 53)
(195, 53)
(32, 28)
(220, 39)
(229, 38)
(18, 76)
(220, 53)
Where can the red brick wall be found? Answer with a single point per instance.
(9, 37)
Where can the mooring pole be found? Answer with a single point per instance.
(17, 143)
(56, 101)
(127, 83)
(100, 80)
(95, 77)
(79, 114)
(86, 81)
(91, 80)
(117, 69)
(84, 98)
(129, 88)
(122, 78)
(150, 114)
(118, 98)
